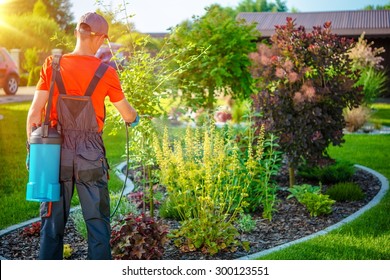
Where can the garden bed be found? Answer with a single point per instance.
(290, 222)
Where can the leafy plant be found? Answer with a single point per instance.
(203, 234)
(32, 230)
(340, 171)
(246, 223)
(298, 191)
(138, 238)
(305, 80)
(346, 191)
(374, 83)
(317, 204)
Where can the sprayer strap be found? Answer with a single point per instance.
(55, 68)
(96, 78)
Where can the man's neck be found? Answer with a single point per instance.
(83, 50)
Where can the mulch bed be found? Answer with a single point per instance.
(290, 222)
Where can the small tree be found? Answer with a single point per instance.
(228, 43)
(305, 81)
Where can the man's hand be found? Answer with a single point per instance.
(135, 122)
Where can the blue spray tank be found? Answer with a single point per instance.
(45, 154)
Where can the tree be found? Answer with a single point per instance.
(28, 31)
(261, 6)
(40, 9)
(59, 10)
(226, 62)
(378, 7)
(305, 81)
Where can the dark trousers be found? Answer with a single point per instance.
(94, 200)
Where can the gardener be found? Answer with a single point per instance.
(80, 116)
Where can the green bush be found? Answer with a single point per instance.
(245, 223)
(340, 171)
(317, 204)
(346, 191)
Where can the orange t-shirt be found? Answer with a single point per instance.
(77, 72)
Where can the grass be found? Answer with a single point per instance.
(13, 172)
(382, 113)
(368, 237)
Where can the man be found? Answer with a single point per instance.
(80, 118)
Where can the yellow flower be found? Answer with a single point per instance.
(67, 251)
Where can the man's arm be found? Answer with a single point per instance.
(127, 112)
(35, 112)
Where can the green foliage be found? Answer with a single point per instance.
(340, 171)
(227, 43)
(208, 234)
(298, 191)
(312, 198)
(317, 204)
(208, 177)
(302, 94)
(138, 238)
(28, 31)
(58, 10)
(374, 83)
(346, 191)
(246, 223)
(32, 66)
(40, 9)
(263, 161)
(261, 6)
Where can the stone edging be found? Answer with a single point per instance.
(130, 186)
(372, 203)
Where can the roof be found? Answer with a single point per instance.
(345, 23)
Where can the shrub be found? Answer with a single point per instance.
(302, 94)
(340, 171)
(346, 191)
(245, 223)
(317, 204)
(32, 230)
(355, 118)
(138, 238)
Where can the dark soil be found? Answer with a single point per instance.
(291, 221)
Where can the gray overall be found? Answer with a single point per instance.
(83, 163)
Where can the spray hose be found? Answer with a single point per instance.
(127, 169)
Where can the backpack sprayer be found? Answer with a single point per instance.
(44, 156)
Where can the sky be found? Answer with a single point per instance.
(159, 15)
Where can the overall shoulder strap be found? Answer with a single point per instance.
(55, 70)
(96, 78)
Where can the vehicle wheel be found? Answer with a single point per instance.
(11, 86)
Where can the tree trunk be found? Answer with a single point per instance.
(291, 173)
